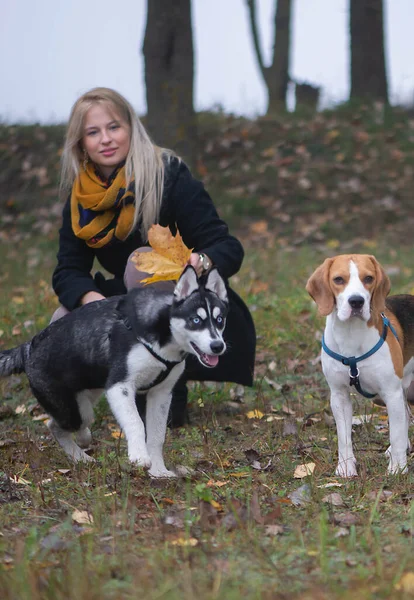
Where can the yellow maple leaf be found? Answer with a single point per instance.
(184, 542)
(168, 257)
(406, 583)
(254, 414)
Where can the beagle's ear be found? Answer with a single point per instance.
(319, 289)
(381, 289)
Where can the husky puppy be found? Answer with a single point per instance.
(122, 345)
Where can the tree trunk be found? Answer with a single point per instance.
(169, 76)
(368, 73)
(276, 76)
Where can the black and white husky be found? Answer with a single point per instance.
(123, 345)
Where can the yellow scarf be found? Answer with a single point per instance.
(101, 211)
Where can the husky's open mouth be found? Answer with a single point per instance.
(208, 360)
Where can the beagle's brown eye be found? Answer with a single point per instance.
(368, 279)
(339, 280)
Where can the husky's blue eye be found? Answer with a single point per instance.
(196, 320)
(219, 320)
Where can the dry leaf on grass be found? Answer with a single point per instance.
(81, 517)
(274, 530)
(406, 583)
(304, 470)
(334, 499)
(300, 496)
(345, 519)
(168, 257)
(254, 414)
(185, 542)
(18, 479)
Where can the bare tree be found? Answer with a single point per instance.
(169, 76)
(276, 76)
(368, 72)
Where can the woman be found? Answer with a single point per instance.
(119, 184)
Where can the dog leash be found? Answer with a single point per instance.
(352, 361)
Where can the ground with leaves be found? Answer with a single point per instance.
(257, 512)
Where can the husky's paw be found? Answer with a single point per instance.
(81, 456)
(397, 467)
(84, 437)
(162, 474)
(141, 460)
(346, 469)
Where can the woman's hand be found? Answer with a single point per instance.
(201, 265)
(91, 297)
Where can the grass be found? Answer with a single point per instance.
(230, 528)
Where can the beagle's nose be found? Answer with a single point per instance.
(356, 302)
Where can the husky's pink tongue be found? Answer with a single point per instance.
(211, 359)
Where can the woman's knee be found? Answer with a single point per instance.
(59, 313)
(133, 276)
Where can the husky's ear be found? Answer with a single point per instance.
(186, 285)
(215, 284)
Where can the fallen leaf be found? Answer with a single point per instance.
(259, 227)
(345, 519)
(81, 517)
(42, 417)
(274, 529)
(183, 471)
(300, 496)
(289, 428)
(117, 434)
(168, 257)
(174, 520)
(208, 515)
(18, 479)
(331, 484)
(360, 419)
(406, 583)
(252, 455)
(21, 409)
(304, 470)
(212, 483)
(287, 410)
(185, 542)
(384, 495)
(254, 414)
(341, 532)
(255, 508)
(334, 499)
(53, 542)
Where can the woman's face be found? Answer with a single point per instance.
(106, 138)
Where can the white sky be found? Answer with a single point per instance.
(54, 50)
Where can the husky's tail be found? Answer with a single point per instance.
(14, 360)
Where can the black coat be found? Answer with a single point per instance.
(187, 206)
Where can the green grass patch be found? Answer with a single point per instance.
(230, 529)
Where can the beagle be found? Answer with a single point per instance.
(368, 343)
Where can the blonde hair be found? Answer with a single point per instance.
(144, 163)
